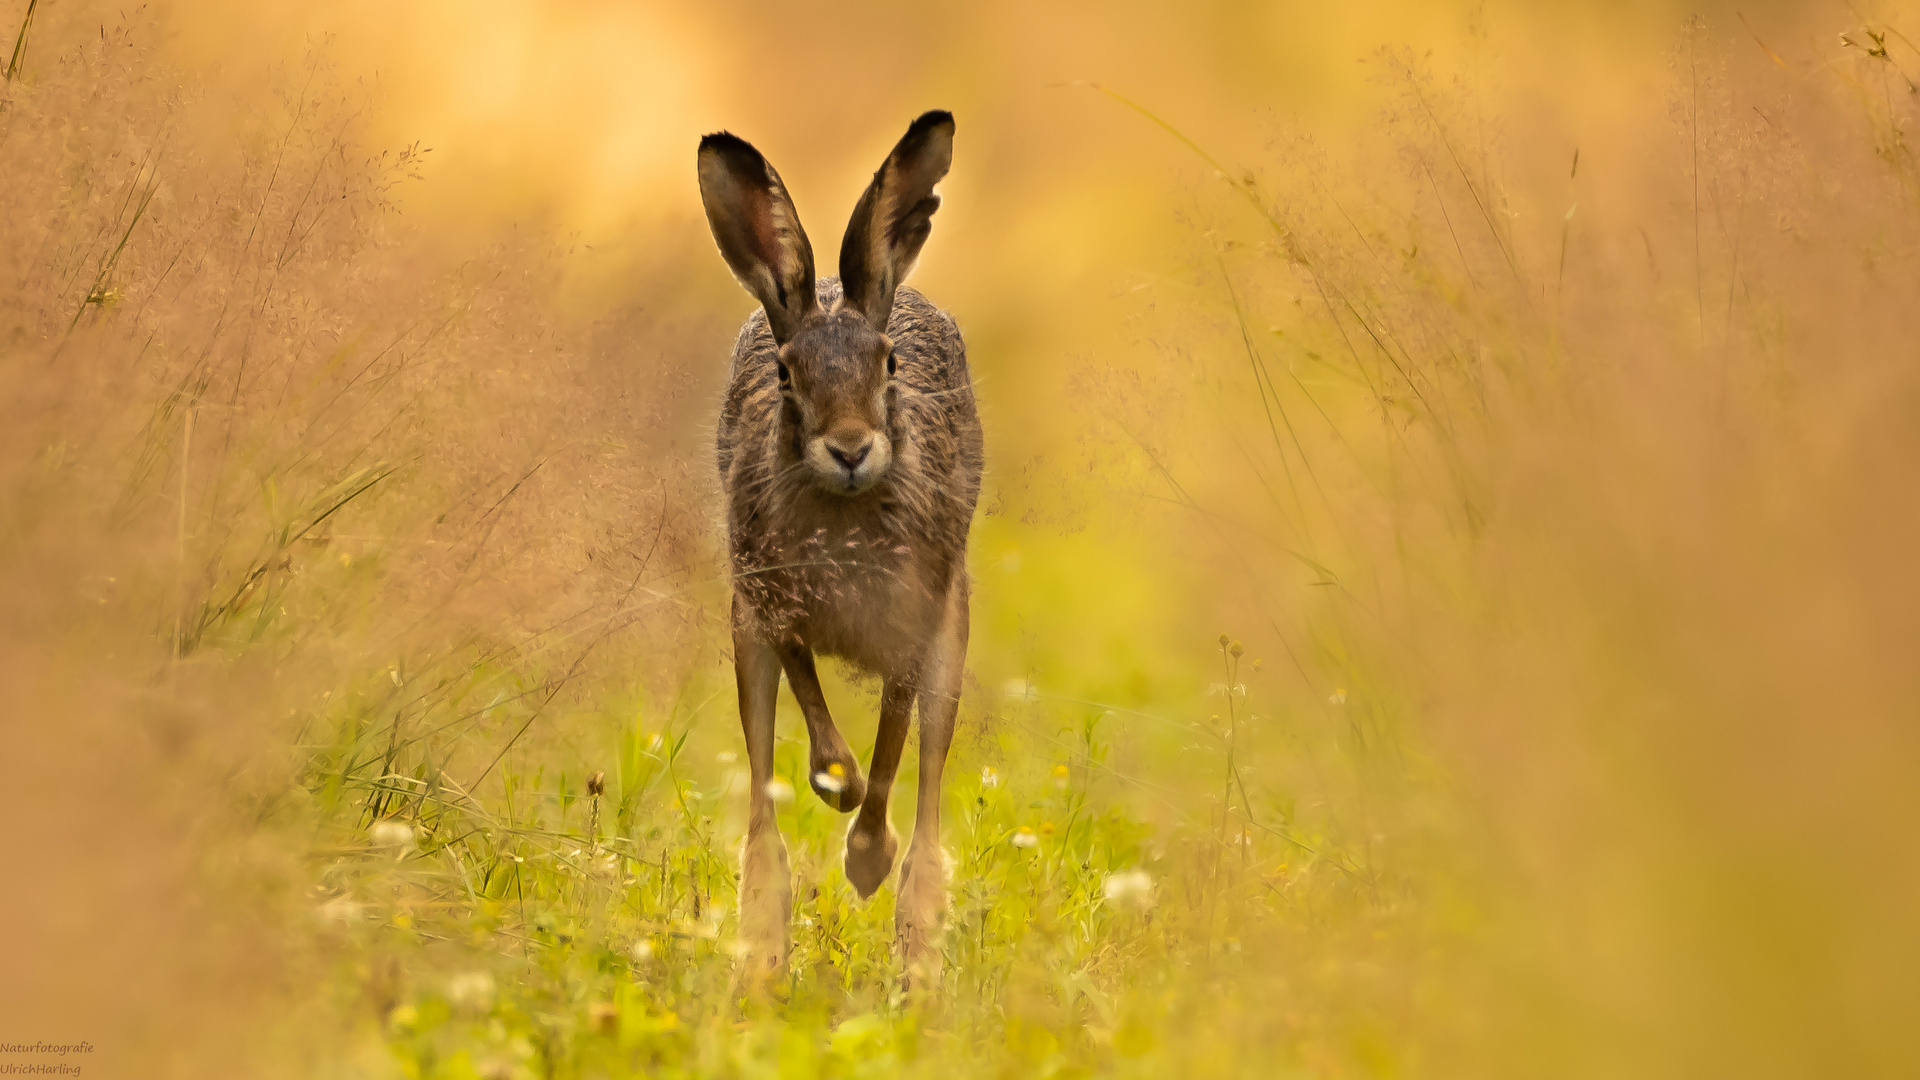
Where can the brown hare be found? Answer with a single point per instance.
(850, 452)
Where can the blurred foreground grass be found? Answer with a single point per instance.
(369, 713)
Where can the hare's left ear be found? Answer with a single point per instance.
(758, 231)
(894, 217)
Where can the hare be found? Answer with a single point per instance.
(850, 452)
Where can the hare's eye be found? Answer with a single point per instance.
(785, 377)
(890, 357)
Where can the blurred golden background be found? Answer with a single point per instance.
(1529, 389)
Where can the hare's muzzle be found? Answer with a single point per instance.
(847, 461)
(851, 450)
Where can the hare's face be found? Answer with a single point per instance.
(836, 389)
(836, 367)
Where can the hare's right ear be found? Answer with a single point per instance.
(758, 231)
(893, 218)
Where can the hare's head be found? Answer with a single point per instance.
(836, 366)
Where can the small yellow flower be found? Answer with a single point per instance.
(837, 771)
(1046, 828)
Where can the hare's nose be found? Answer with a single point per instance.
(850, 450)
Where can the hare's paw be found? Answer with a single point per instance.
(837, 780)
(870, 853)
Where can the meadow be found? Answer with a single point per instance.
(1444, 598)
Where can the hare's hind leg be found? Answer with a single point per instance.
(832, 771)
(766, 886)
(921, 912)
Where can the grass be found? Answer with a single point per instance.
(372, 612)
(581, 921)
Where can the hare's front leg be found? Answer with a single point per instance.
(921, 911)
(871, 843)
(766, 887)
(832, 771)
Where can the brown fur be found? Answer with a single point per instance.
(861, 577)
(851, 456)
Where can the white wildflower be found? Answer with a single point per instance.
(726, 757)
(641, 951)
(1024, 837)
(1338, 697)
(1129, 888)
(391, 833)
(779, 790)
(340, 909)
(831, 779)
(989, 777)
(471, 990)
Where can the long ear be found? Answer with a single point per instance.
(758, 230)
(893, 218)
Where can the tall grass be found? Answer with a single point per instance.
(1594, 479)
(368, 703)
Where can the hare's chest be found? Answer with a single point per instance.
(856, 592)
(849, 575)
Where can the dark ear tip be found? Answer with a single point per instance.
(735, 155)
(729, 145)
(930, 119)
